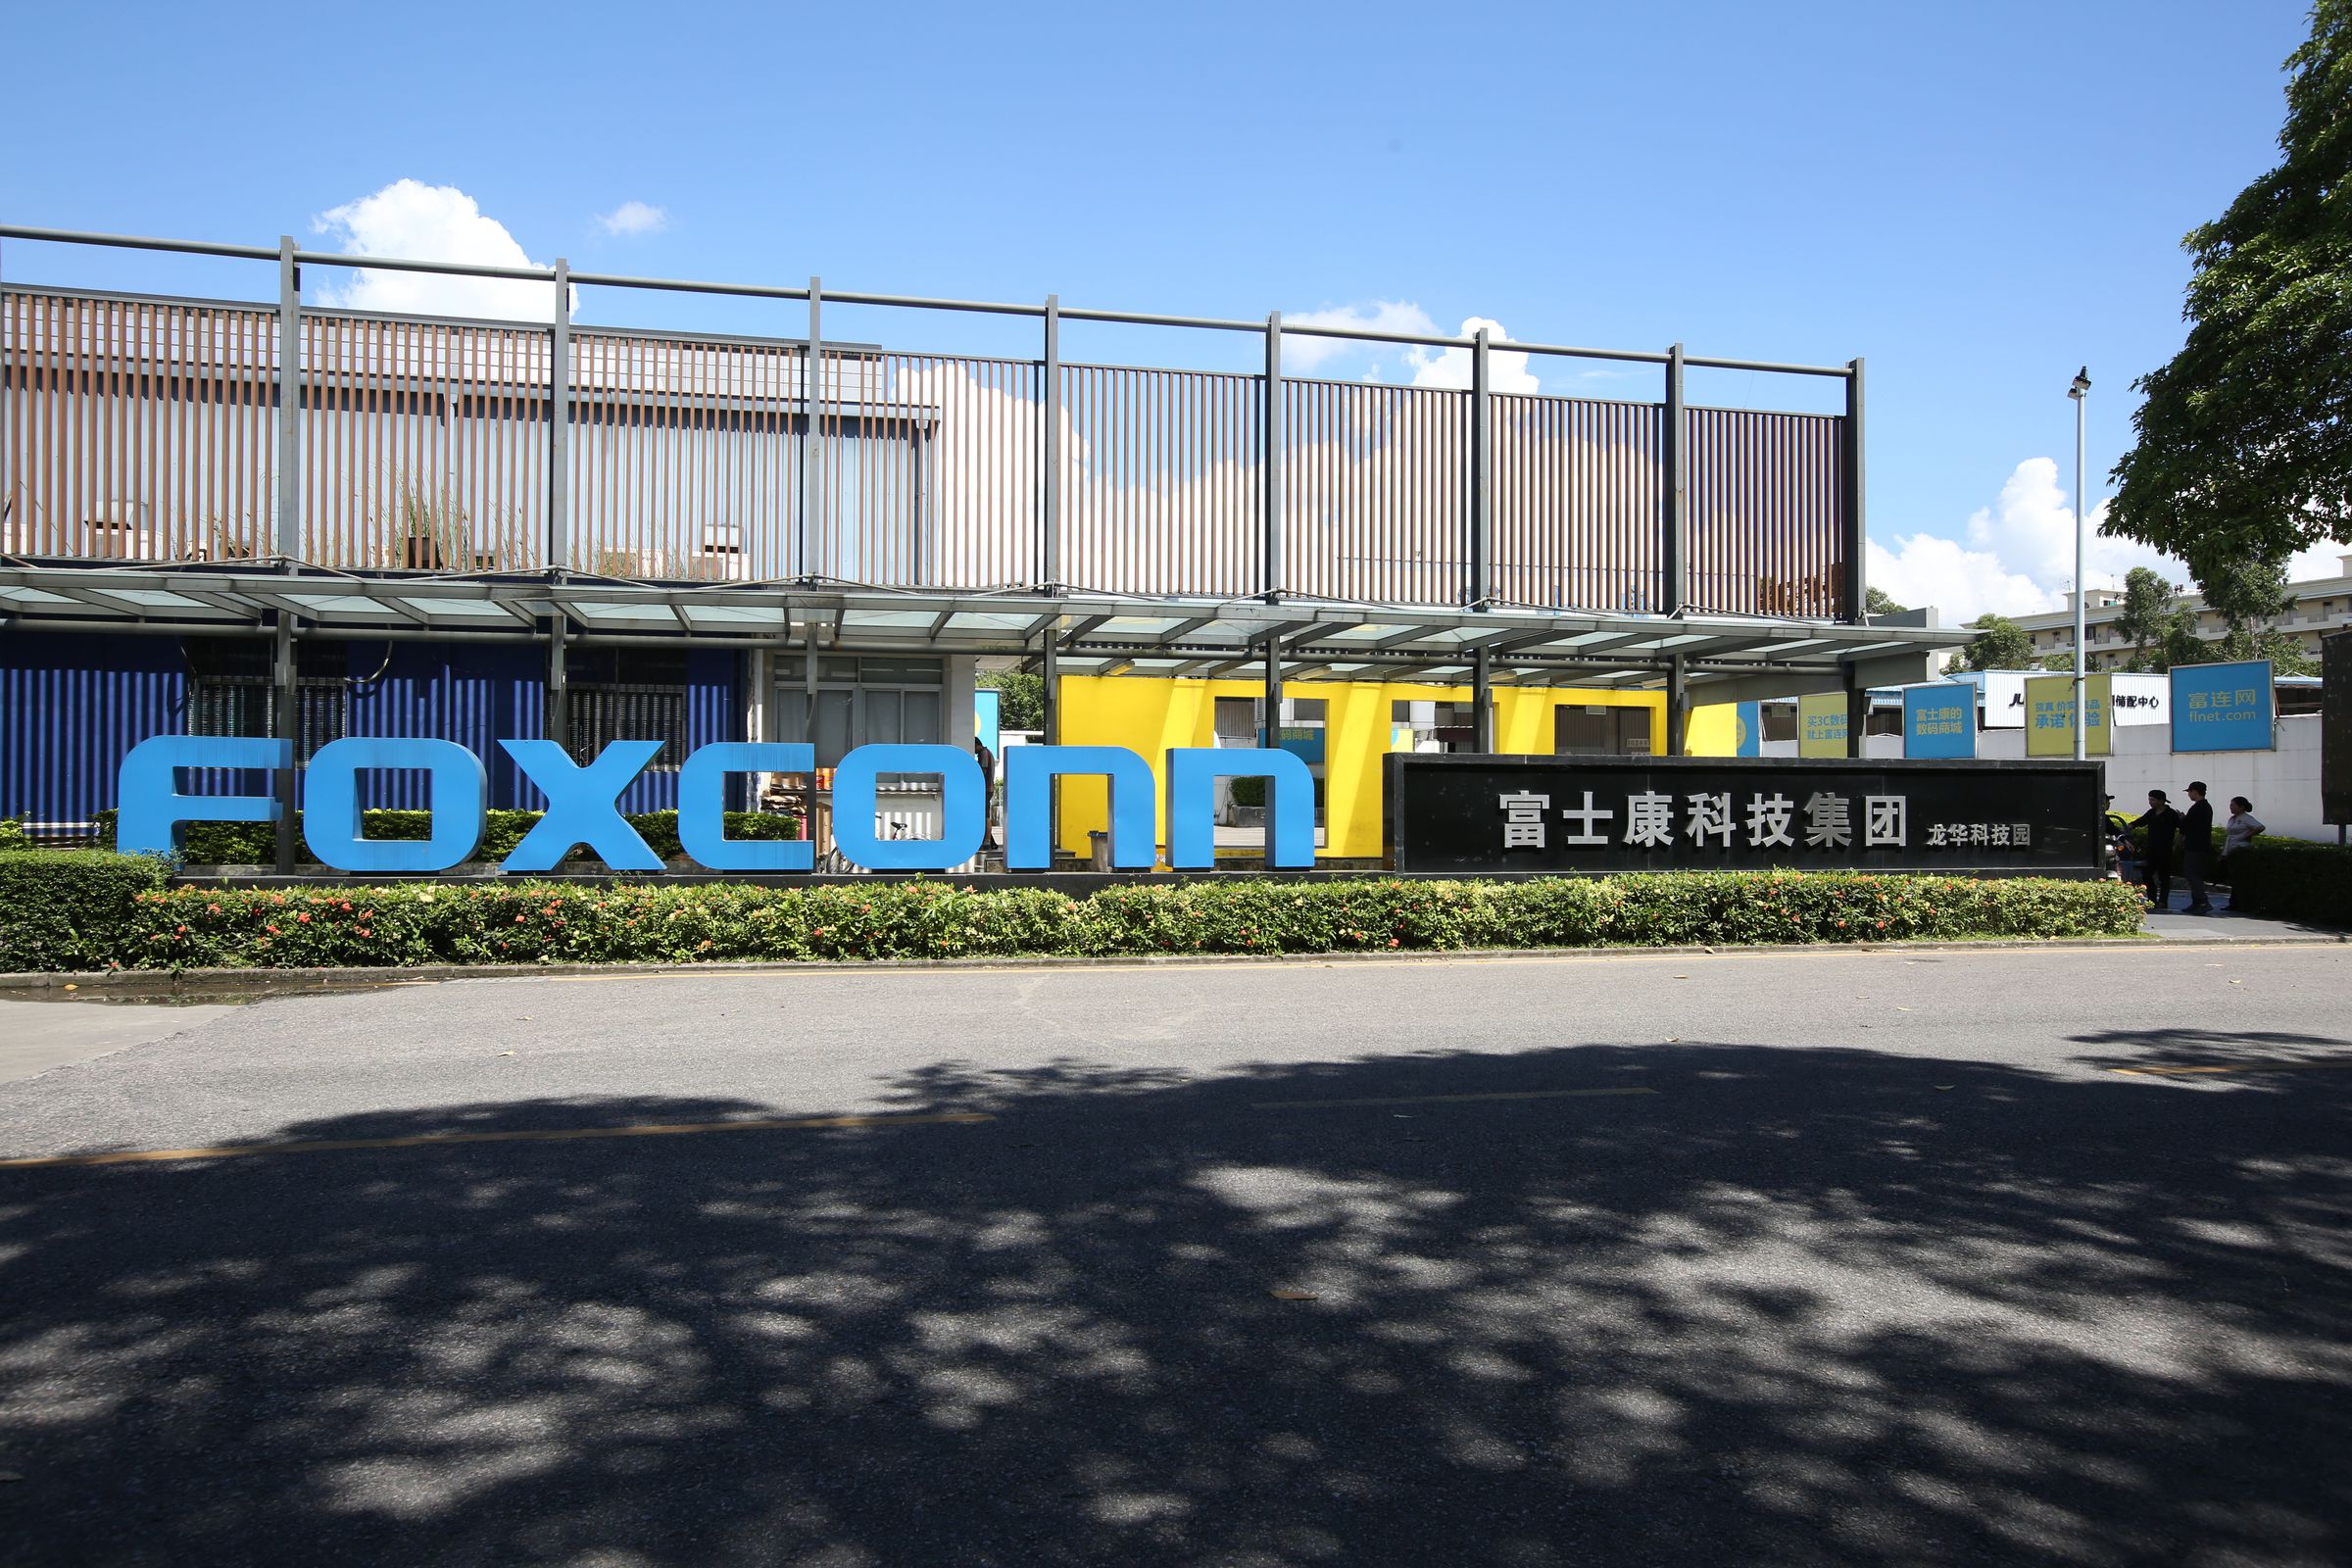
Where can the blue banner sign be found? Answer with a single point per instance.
(2223, 708)
(1940, 720)
(582, 803)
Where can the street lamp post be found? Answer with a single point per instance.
(2078, 393)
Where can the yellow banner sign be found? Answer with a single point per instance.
(2050, 715)
(1821, 724)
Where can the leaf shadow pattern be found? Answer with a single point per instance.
(1791, 1307)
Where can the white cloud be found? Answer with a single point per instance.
(1450, 368)
(1304, 353)
(411, 220)
(634, 218)
(2013, 558)
(1960, 583)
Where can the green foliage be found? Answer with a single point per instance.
(1248, 791)
(12, 835)
(520, 922)
(2062, 663)
(2182, 644)
(2147, 602)
(256, 843)
(2290, 879)
(2241, 453)
(1025, 698)
(1877, 600)
(1999, 644)
(70, 909)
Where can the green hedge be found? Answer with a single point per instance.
(70, 908)
(520, 923)
(256, 843)
(2292, 880)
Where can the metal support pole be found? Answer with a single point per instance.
(1482, 702)
(2080, 394)
(558, 684)
(289, 402)
(1048, 554)
(1857, 714)
(1270, 735)
(810, 369)
(1482, 477)
(559, 433)
(918, 459)
(285, 724)
(1678, 706)
(1270, 470)
(1673, 457)
(1857, 522)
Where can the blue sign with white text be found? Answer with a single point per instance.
(1940, 720)
(2223, 708)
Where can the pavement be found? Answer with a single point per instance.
(38, 1035)
(2225, 924)
(1821, 1255)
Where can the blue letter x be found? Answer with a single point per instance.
(579, 805)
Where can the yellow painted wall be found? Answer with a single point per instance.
(1147, 715)
(1713, 730)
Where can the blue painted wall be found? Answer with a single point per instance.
(476, 694)
(71, 704)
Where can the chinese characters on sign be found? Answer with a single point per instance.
(1940, 720)
(1708, 816)
(2222, 707)
(2050, 715)
(1480, 815)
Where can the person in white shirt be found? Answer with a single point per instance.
(2237, 833)
(2243, 824)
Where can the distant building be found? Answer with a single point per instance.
(2320, 606)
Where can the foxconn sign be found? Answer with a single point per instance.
(582, 803)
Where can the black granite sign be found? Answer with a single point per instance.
(1481, 816)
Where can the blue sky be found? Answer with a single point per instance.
(1977, 199)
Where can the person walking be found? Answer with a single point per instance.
(2196, 843)
(2162, 823)
(2237, 834)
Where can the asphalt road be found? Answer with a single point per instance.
(1814, 1257)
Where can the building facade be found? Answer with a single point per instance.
(263, 517)
(2322, 604)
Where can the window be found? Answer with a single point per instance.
(860, 702)
(1438, 726)
(1596, 730)
(231, 690)
(626, 694)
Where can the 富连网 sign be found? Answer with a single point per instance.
(1481, 816)
(2222, 707)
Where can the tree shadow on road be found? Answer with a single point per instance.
(1771, 1305)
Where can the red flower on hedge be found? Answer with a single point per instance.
(304, 918)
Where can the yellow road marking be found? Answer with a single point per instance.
(2327, 1064)
(1445, 1100)
(552, 1135)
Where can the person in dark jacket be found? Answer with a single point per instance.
(2196, 843)
(2162, 823)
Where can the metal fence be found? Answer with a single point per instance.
(162, 429)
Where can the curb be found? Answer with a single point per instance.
(198, 982)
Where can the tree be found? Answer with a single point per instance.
(1999, 644)
(1876, 600)
(2147, 602)
(1024, 700)
(2182, 644)
(2245, 452)
(2250, 596)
